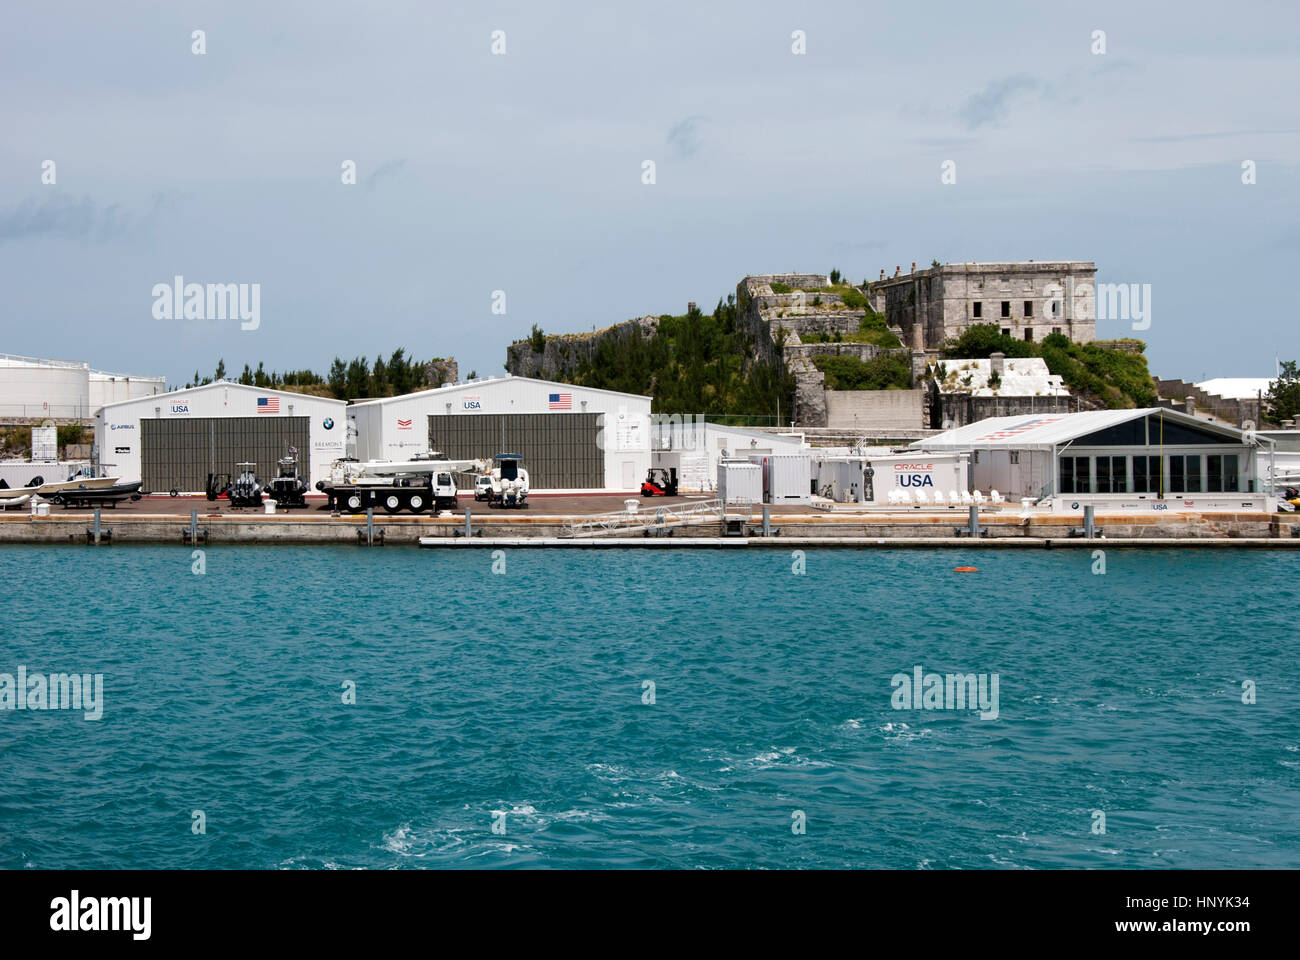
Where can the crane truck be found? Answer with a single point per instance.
(417, 484)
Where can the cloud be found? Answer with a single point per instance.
(990, 105)
(384, 170)
(61, 215)
(1184, 137)
(685, 136)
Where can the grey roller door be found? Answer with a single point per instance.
(559, 449)
(181, 453)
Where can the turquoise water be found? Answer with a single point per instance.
(521, 693)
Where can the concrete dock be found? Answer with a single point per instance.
(548, 523)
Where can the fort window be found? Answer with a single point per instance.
(979, 309)
(1029, 333)
(1006, 308)
(1006, 331)
(1056, 329)
(1029, 308)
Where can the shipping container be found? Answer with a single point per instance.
(740, 481)
(787, 478)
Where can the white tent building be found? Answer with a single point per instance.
(1124, 460)
(570, 437)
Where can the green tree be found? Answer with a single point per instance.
(221, 370)
(338, 379)
(1283, 399)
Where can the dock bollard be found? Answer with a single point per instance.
(1089, 522)
(975, 522)
(767, 520)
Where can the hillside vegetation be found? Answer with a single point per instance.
(697, 363)
(886, 371)
(1102, 376)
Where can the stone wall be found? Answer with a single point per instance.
(562, 354)
(950, 410)
(1236, 412)
(438, 372)
(875, 409)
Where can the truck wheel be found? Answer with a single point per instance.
(354, 502)
(417, 503)
(175, 492)
(392, 503)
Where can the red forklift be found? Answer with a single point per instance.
(660, 482)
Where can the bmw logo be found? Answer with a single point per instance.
(1074, 506)
(329, 423)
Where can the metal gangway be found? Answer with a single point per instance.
(645, 522)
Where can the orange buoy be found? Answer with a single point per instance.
(966, 569)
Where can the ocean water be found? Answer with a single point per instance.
(515, 700)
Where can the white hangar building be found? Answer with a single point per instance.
(694, 447)
(172, 441)
(570, 437)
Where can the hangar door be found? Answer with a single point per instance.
(181, 453)
(559, 449)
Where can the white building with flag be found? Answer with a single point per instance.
(571, 437)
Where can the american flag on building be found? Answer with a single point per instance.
(560, 401)
(268, 404)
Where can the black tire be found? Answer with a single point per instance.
(417, 503)
(353, 503)
(393, 503)
(175, 492)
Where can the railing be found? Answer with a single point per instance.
(638, 521)
(39, 411)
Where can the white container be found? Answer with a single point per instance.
(269, 506)
(787, 477)
(740, 481)
(42, 509)
(632, 505)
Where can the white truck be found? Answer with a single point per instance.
(424, 481)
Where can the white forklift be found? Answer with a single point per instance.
(424, 481)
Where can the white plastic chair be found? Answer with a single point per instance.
(938, 497)
(995, 496)
(892, 497)
(979, 497)
(954, 497)
(966, 498)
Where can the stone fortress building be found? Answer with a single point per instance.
(1026, 300)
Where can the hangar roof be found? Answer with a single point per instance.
(1044, 431)
(450, 388)
(223, 384)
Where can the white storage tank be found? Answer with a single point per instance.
(740, 481)
(787, 477)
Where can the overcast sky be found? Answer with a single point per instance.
(523, 173)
